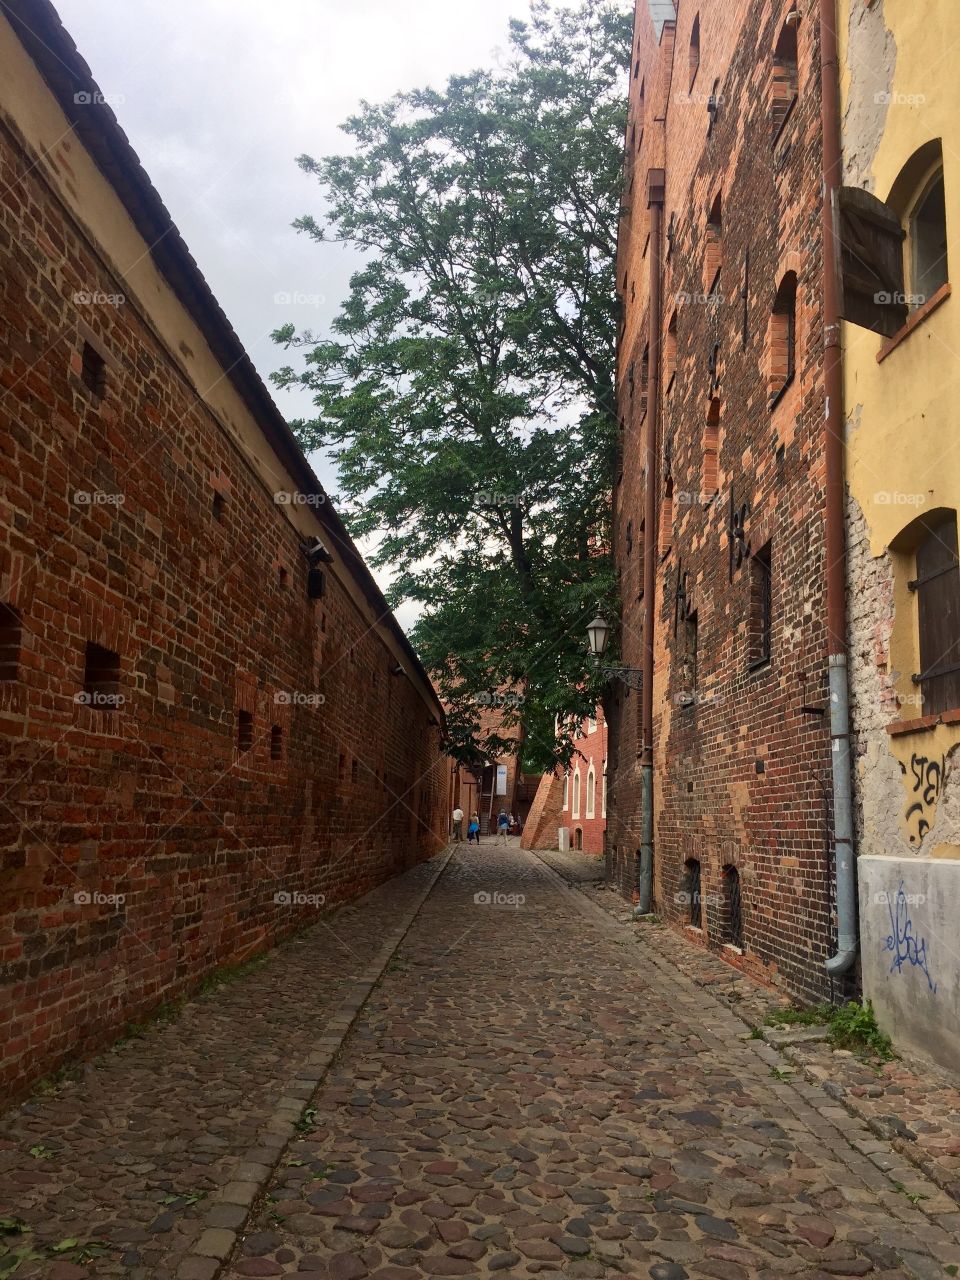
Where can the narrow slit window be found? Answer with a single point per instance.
(783, 338)
(694, 57)
(93, 371)
(11, 641)
(244, 731)
(761, 606)
(784, 80)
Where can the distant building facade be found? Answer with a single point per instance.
(570, 808)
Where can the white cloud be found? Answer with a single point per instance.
(220, 96)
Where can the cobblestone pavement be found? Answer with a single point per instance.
(915, 1105)
(135, 1149)
(525, 1090)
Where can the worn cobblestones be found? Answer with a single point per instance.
(157, 1149)
(913, 1105)
(526, 1090)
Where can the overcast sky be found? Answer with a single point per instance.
(219, 96)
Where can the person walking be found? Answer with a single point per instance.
(458, 824)
(473, 828)
(503, 825)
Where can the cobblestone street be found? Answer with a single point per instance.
(524, 1090)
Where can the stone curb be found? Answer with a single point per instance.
(941, 1229)
(217, 1244)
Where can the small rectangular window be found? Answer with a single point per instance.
(244, 731)
(101, 678)
(93, 371)
(11, 640)
(219, 506)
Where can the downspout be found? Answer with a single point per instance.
(655, 196)
(844, 857)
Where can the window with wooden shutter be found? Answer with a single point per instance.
(871, 239)
(937, 588)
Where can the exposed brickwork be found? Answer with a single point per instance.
(741, 748)
(150, 801)
(545, 816)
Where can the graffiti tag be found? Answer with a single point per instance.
(907, 948)
(927, 785)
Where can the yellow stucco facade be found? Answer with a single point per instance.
(900, 100)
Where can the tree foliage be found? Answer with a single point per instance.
(466, 390)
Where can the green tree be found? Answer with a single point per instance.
(466, 391)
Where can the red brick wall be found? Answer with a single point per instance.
(544, 819)
(138, 849)
(742, 757)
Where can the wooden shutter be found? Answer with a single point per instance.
(870, 245)
(937, 585)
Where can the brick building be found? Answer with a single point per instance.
(720, 507)
(570, 807)
(211, 726)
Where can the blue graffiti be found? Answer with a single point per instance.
(902, 941)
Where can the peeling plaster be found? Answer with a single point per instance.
(871, 64)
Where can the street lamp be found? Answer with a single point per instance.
(598, 635)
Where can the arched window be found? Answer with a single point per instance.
(576, 793)
(783, 81)
(566, 790)
(731, 920)
(713, 106)
(644, 379)
(670, 352)
(711, 447)
(782, 354)
(603, 792)
(666, 517)
(694, 59)
(691, 894)
(713, 252)
(591, 807)
(926, 242)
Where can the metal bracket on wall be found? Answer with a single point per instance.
(632, 677)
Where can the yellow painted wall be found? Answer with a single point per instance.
(899, 89)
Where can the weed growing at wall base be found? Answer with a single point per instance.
(849, 1026)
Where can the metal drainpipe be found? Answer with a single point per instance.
(844, 854)
(655, 198)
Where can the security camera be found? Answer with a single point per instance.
(398, 670)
